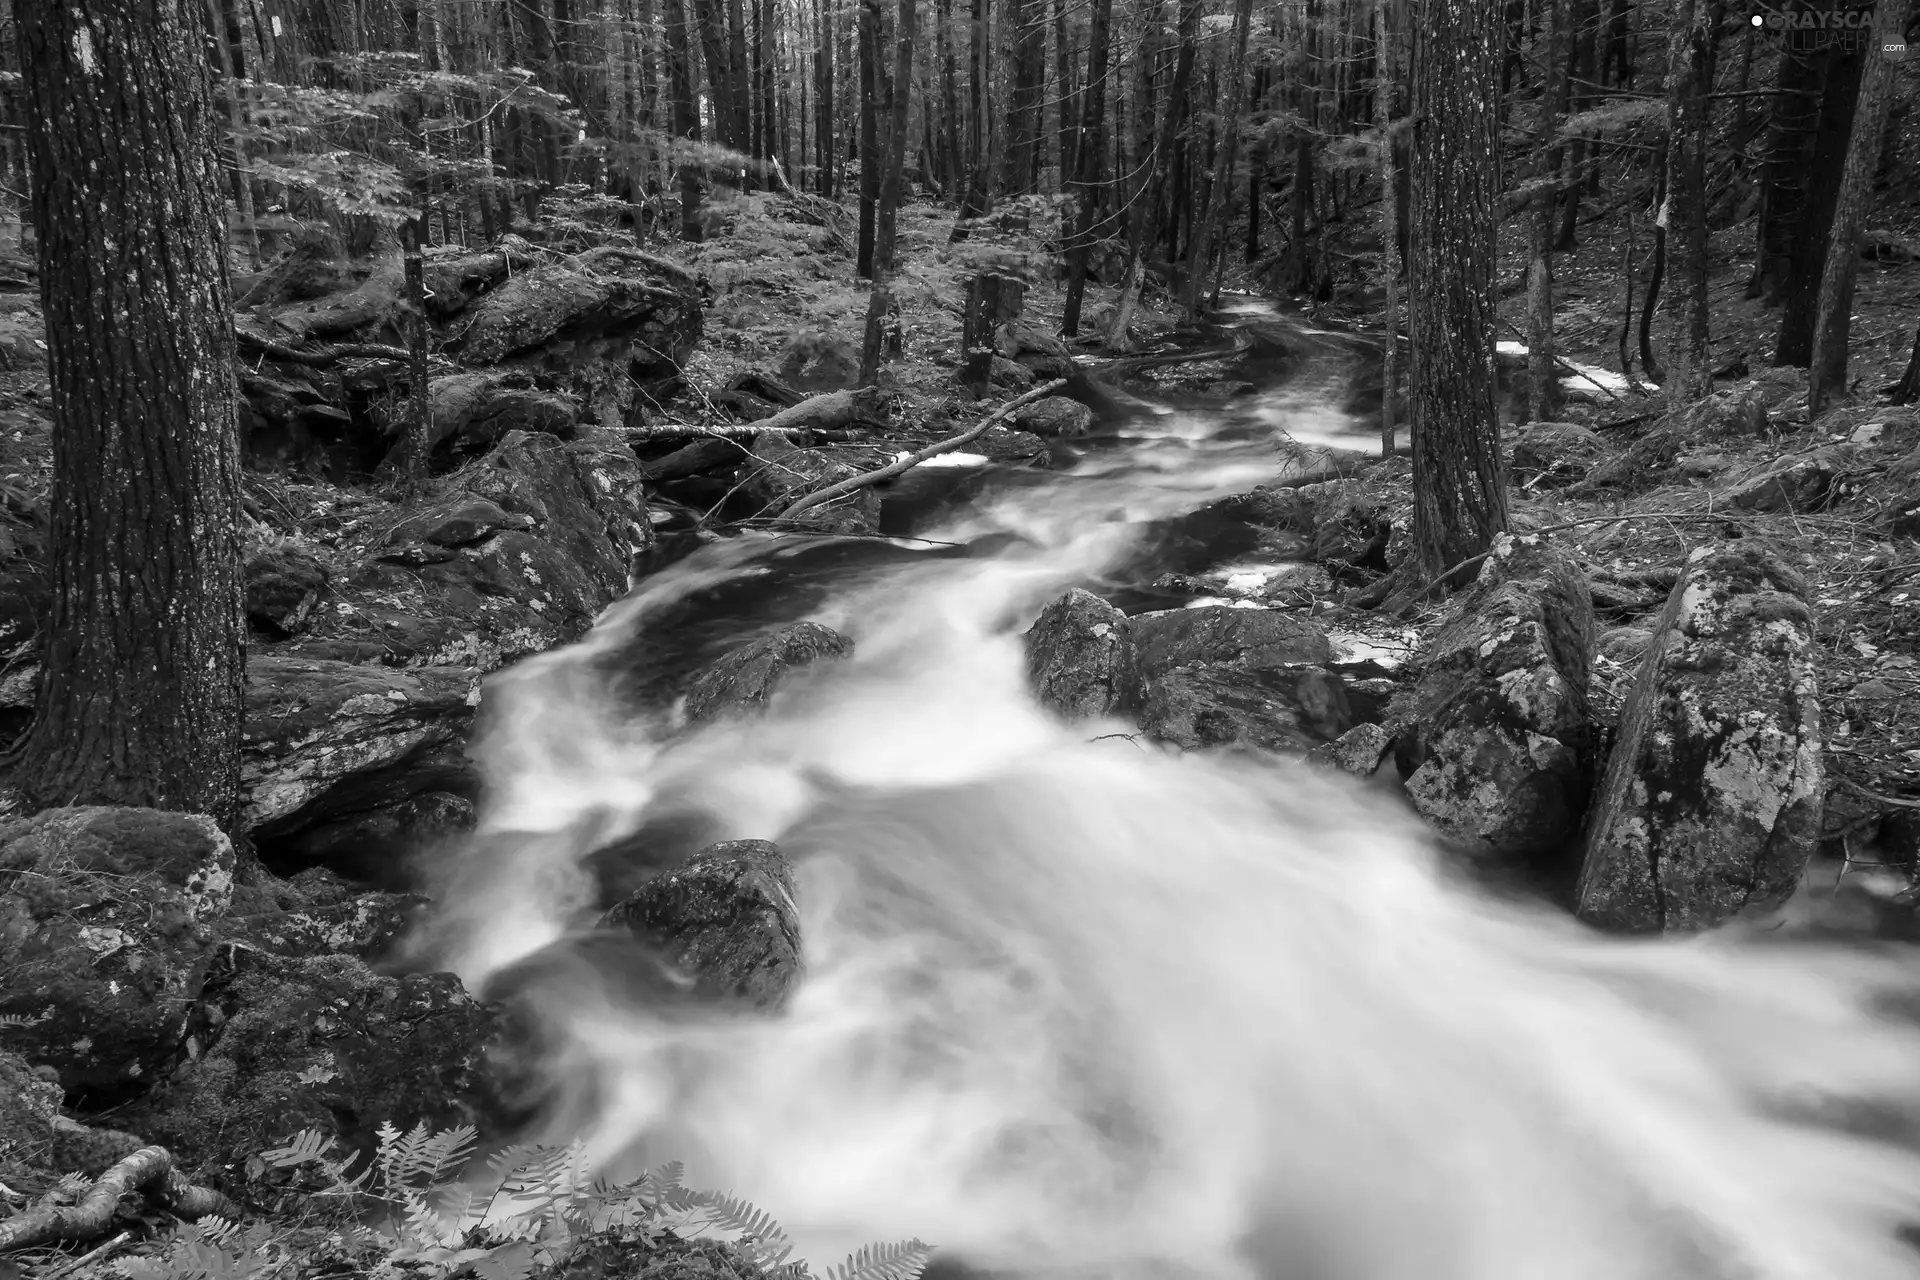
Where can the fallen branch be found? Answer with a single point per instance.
(253, 342)
(821, 496)
(149, 1170)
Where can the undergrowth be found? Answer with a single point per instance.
(427, 1205)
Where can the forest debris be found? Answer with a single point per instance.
(854, 483)
(149, 1170)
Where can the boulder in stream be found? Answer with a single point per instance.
(741, 680)
(726, 921)
(1055, 418)
(1494, 735)
(1218, 676)
(1711, 802)
(1078, 656)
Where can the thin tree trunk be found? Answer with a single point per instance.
(1459, 478)
(1089, 152)
(880, 306)
(1827, 374)
(686, 116)
(1689, 368)
(1813, 229)
(1543, 383)
(869, 134)
(974, 202)
(1386, 82)
(1235, 90)
(141, 698)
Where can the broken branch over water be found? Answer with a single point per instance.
(820, 497)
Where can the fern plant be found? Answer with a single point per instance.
(439, 1213)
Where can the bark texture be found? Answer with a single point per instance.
(1458, 478)
(141, 703)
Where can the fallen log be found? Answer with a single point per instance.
(148, 1170)
(820, 497)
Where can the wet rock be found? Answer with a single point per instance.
(1349, 526)
(470, 411)
(33, 1131)
(665, 1257)
(742, 680)
(458, 522)
(1078, 656)
(1055, 418)
(1359, 751)
(1555, 453)
(819, 362)
(275, 1045)
(1711, 803)
(520, 552)
(325, 739)
(1218, 676)
(1015, 377)
(1492, 739)
(596, 327)
(782, 472)
(1800, 483)
(105, 916)
(283, 584)
(375, 845)
(726, 920)
(1741, 411)
(1623, 645)
(316, 913)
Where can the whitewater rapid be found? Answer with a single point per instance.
(1076, 1005)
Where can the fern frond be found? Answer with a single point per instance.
(307, 1147)
(766, 1239)
(445, 1152)
(904, 1260)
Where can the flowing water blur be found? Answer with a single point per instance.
(1076, 1006)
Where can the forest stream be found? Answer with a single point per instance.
(1077, 1005)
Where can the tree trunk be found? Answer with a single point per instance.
(141, 700)
(825, 155)
(1386, 82)
(1813, 229)
(1543, 382)
(419, 440)
(973, 200)
(1459, 479)
(880, 306)
(1827, 372)
(686, 115)
(1689, 366)
(1089, 151)
(1907, 390)
(869, 31)
(1786, 156)
(740, 74)
(713, 48)
(1201, 245)
(992, 300)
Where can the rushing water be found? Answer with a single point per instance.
(1074, 1005)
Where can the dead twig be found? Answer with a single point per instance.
(821, 496)
(149, 1170)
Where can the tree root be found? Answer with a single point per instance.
(820, 497)
(149, 1170)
